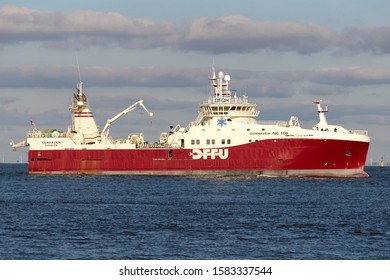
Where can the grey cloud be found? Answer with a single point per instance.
(319, 90)
(51, 76)
(228, 34)
(240, 34)
(276, 84)
(4, 100)
(351, 76)
(373, 40)
(80, 29)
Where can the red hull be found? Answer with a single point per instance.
(287, 157)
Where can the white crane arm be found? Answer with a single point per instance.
(18, 145)
(124, 112)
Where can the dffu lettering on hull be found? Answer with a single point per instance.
(210, 153)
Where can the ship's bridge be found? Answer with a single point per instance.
(223, 103)
(237, 107)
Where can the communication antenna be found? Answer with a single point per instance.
(80, 84)
(78, 66)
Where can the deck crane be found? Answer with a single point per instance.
(105, 130)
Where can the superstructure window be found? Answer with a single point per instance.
(210, 141)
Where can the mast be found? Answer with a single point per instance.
(321, 113)
(84, 126)
(222, 106)
(220, 86)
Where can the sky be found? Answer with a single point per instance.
(282, 54)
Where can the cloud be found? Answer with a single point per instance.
(374, 40)
(236, 33)
(64, 76)
(354, 76)
(80, 29)
(326, 81)
(227, 34)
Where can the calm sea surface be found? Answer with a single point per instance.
(123, 217)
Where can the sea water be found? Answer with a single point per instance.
(129, 217)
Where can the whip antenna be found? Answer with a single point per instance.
(78, 67)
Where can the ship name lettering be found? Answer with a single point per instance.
(51, 143)
(269, 133)
(212, 153)
(259, 133)
(221, 100)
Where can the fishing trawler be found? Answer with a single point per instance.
(225, 139)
